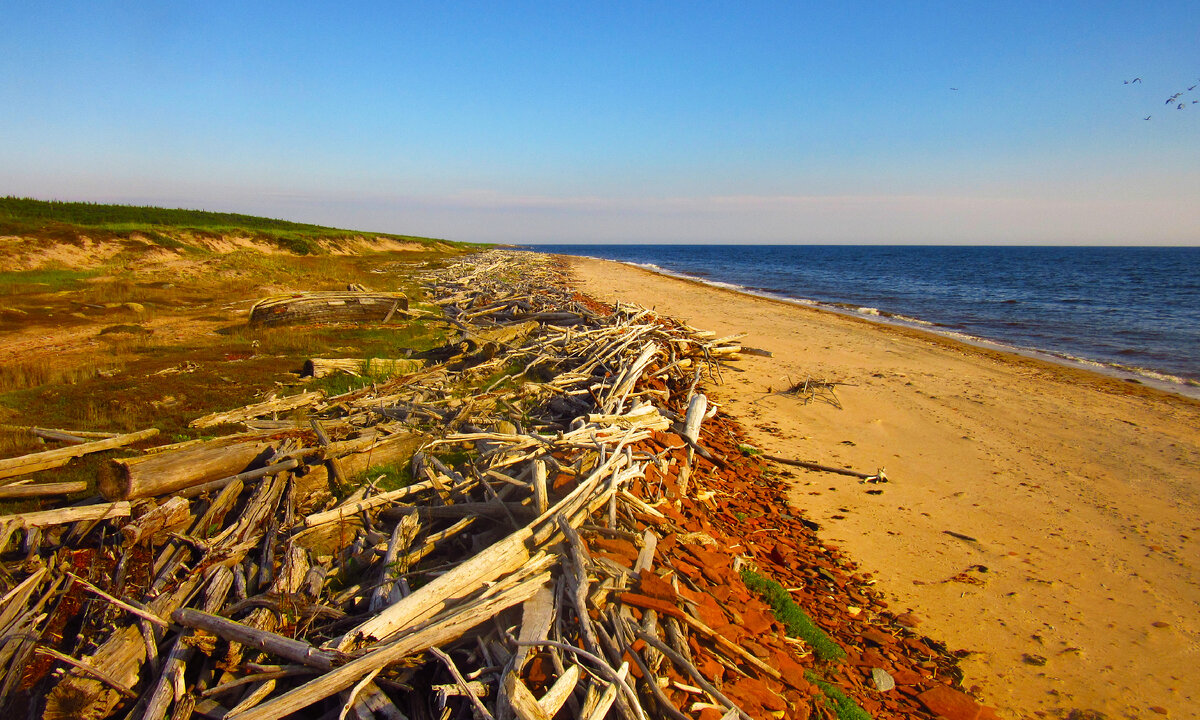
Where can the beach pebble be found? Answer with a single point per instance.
(883, 681)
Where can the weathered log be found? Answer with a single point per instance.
(335, 306)
(62, 516)
(174, 513)
(374, 367)
(11, 467)
(13, 492)
(284, 404)
(132, 478)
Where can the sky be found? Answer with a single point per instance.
(641, 122)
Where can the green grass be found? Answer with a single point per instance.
(43, 281)
(55, 219)
(842, 706)
(796, 622)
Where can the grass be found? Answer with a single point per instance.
(842, 706)
(796, 622)
(201, 356)
(163, 226)
(43, 281)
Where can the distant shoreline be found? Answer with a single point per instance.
(1129, 376)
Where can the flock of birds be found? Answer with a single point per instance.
(1172, 100)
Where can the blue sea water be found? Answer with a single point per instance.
(1130, 308)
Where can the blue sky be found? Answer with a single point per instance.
(619, 121)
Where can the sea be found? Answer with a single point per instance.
(1129, 311)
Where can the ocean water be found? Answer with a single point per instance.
(1134, 310)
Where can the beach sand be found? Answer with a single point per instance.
(1078, 585)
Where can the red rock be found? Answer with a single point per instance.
(756, 621)
(653, 586)
(615, 546)
(950, 703)
(877, 637)
(904, 676)
(711, 714)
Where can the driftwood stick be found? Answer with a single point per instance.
(878, 476)
(579, 584)
(481, 711)
(294, 650)
(140, 612)
(683, 664)
(97, 673)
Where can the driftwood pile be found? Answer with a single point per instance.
(564, 546)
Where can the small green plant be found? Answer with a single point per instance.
(741, 516)
(749, 450)
(796, 622)
(842, 706)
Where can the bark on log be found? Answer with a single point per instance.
(132, 478)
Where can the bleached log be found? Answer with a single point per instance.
(62, 516)
(286, 404)
(12, 467)
(16, 492)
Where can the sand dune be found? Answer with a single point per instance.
(1079, 585)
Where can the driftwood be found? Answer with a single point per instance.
(150, 475)
(374, 367)
(285, 600)
(312, 307)
(278, 405)
(11, 467)
(879, 476)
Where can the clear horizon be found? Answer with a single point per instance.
(931, 123)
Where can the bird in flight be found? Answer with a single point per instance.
(1135, 80)
(1146, 118)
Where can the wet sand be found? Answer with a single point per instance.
(1073, 574)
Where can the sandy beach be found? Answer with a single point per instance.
(1042, 518)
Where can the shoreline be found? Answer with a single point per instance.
(1150, 377)
(1075, 588)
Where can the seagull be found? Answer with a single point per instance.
(1180, 106)
(953, 88)
(1135, 80)
(1191, 88)
(1146, 118)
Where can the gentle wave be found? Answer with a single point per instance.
(1133, 312)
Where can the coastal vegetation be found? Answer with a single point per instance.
(167, 227)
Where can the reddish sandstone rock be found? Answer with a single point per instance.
(653, 586)
(950, 703)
